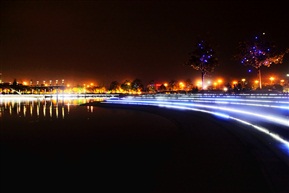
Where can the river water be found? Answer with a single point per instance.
(60, 146)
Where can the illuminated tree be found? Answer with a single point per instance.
(203, 58)
(259, 52)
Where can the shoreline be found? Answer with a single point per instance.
(273, 167)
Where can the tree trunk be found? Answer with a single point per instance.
(260, 79)
(203, 77)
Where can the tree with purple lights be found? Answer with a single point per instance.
(203, 58)
(259, 52)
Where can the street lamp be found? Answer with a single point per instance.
(272, 79)
(181, 85)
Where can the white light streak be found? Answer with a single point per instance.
(201, 108)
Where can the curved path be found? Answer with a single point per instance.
(140, 149)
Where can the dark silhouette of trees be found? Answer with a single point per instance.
(114, 85)
(126, 86)
(189, 84)
(172, 85)
(259, 52)
(203, 58)
(137, 85)
(15, 82)
(151, 87)
(162, 88)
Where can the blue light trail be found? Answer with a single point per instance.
(268, 115)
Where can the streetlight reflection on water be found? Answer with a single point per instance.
(53, 108)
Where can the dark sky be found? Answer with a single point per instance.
(103, 41)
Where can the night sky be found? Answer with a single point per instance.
(104, 41)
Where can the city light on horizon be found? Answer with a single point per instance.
(75, 49)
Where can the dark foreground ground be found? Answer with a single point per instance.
(138, 149)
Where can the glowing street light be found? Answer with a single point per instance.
(181, 84)
(272, 79)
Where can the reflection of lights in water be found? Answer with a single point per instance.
(62, 112)
(68, 108)
(56, 111)
(18, 108)
(37, 109)
(50, 110)
(24, 111)
(31, 109)
(44, 110)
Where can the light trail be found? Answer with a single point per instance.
(224, 111)
(277, 120)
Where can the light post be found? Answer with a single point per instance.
(181, 85)
(256, 82)
(220, 81)
(271, 79)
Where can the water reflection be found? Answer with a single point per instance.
(54, 108)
